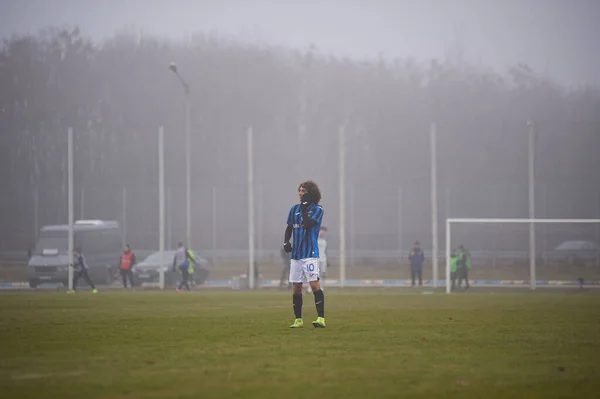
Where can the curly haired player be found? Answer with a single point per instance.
(303, 224)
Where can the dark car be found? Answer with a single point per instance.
(148, 270)
(576, 252)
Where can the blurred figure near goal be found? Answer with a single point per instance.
(416, 258)
(323, 263)
(464, 265)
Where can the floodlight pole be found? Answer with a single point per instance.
(161, 206)
(434, 212)
(342, 204)
(188, 140)
(70, 205)
(531, 161)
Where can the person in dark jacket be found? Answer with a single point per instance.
(416, 258)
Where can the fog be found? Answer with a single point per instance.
(384, 70)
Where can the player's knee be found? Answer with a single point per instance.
(297, 288)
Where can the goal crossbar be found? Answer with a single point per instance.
(531, 221)
(523, 220)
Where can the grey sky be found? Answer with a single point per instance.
(557, 37)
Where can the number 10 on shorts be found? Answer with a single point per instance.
(304, 270)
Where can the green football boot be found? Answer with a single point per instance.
(319, 323)
(298, 323)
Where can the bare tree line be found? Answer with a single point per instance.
(116, 93)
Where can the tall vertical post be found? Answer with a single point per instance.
(161, 206)
(169, 222)
(597, 226)
(352, 216)
(342, 205)
(531, 159)
(250, 209)
(82, 204)
(70, 203)
(124, 213)
(448, 244)
(259, 225)
(36, 210)
(400, 222)
(188, 171)
(214, 224)
(434, 212)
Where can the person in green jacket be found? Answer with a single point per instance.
(464, 265)
(191, 256)
(453, 267)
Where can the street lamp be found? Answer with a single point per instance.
(188, 204)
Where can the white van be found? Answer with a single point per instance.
(100, 242)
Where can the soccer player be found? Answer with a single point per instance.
(303, 224)
(81, 270)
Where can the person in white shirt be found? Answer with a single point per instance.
(322, 243)
(323, 264)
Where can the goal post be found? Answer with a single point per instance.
(452, 221)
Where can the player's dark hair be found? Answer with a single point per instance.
(312, 189)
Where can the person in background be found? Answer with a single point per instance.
(80, 267)
(453, 267)
(126, 263)
(181, 261)
(464, 265)
(416, 258)
(284, 280)
(323, 262)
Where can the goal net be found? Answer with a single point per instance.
(526, 253)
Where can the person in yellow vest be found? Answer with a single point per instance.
(126, 263)
(453, 268)
(191, 268)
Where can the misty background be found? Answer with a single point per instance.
(296, 73)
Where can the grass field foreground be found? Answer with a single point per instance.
(378, 343)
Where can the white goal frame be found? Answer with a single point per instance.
(531, 222)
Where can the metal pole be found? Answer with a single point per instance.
(70, 203)
(250, 211)
(597, 226)
(36, 203)
(531, 159)
(400, 215)
(188, 177)
(82, 202)
(214, 225)
(434, 224)
(448, 244)
(161, 206)
(169, 219)
(259, 225)
(351, 194)
(342, 207)
(124, 213)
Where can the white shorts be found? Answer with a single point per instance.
(304, 270)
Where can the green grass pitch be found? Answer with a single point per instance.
(379, 343)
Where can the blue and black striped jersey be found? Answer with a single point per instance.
(305, 241)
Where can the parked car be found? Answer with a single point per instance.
(148, 270)
(576, 252)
